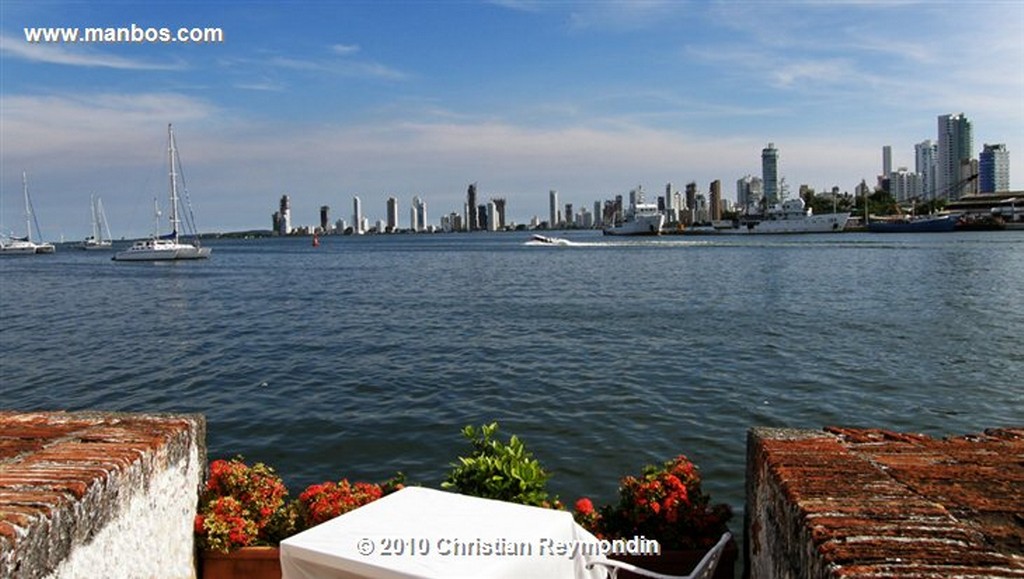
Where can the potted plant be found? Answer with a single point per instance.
(665, 502)
(499, 470)
(243, 514)
(324, 501)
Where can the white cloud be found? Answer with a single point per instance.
(345, 49)
(58, 54)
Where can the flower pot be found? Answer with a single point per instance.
(681, 562)
(247, 562)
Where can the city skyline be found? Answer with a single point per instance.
(338, 100)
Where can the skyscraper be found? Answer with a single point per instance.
(324, 220)
(553, 209)
(716, 200)
(499, 207)
(357, 215)
(474, 222)
(886, 159)
(770, 173)
(954, 156)
(925, 153)
(418, 214)
(285, 223)
(994, 169)
(392, 213)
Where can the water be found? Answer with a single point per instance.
(367, 355)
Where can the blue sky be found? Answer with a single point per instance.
(326, 100)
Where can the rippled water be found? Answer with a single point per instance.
(367, 355)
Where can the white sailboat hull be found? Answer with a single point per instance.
(161, 250)
(18, 247)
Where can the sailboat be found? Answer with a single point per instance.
(168, 247)
(25, 245)
(100, 238)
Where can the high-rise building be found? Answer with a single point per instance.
(285, 223)
(474, 222)
(598, 218)
(886, 159)
(357, 215)
(904, 185)
(770, 173)
(499, 207)
(925, 154)
(324, 220)
(954, 156)
(716, 200)
(418, 214)
(994, 169)
(568, 216)
(553, 209)
(392, 213)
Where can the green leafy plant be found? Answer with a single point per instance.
(665, 503)
(499, 470)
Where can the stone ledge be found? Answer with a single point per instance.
(67, 476)
(873, 503)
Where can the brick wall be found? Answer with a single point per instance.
(99, 494)
(859, 503)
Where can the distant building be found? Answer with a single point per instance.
(392, 214)
(716, 200)
(994, 169)
(325, 222)
(925, 155)
(597, 214)
(499, 208)
(886, 159)
(284, 225)
(748, 192)
(568, 214)
(418, 215)
(553, 209)
(474, 222)
(954, 156)
(770, 173)
(904, 185)
(358, 226)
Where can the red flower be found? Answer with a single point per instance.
(584, 506)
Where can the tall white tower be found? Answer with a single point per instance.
(357, 215)
(553, 209)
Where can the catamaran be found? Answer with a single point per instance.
(100, 238)
(171, 246)
(25, 245)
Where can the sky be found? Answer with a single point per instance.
(324, 100)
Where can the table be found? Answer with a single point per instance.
(419, 532)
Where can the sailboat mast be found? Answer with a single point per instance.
(174, 181)
(28, 212)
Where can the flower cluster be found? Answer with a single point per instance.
(242, 505)
(324, 501)
(665, 503)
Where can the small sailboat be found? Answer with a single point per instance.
(169, 247)
(100, 238)
(25, 245)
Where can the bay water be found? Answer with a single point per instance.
(367, 355)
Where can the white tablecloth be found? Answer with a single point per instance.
(419, 532)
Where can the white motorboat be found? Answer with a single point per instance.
(641, 218)
(169, 247)
(100, 238)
